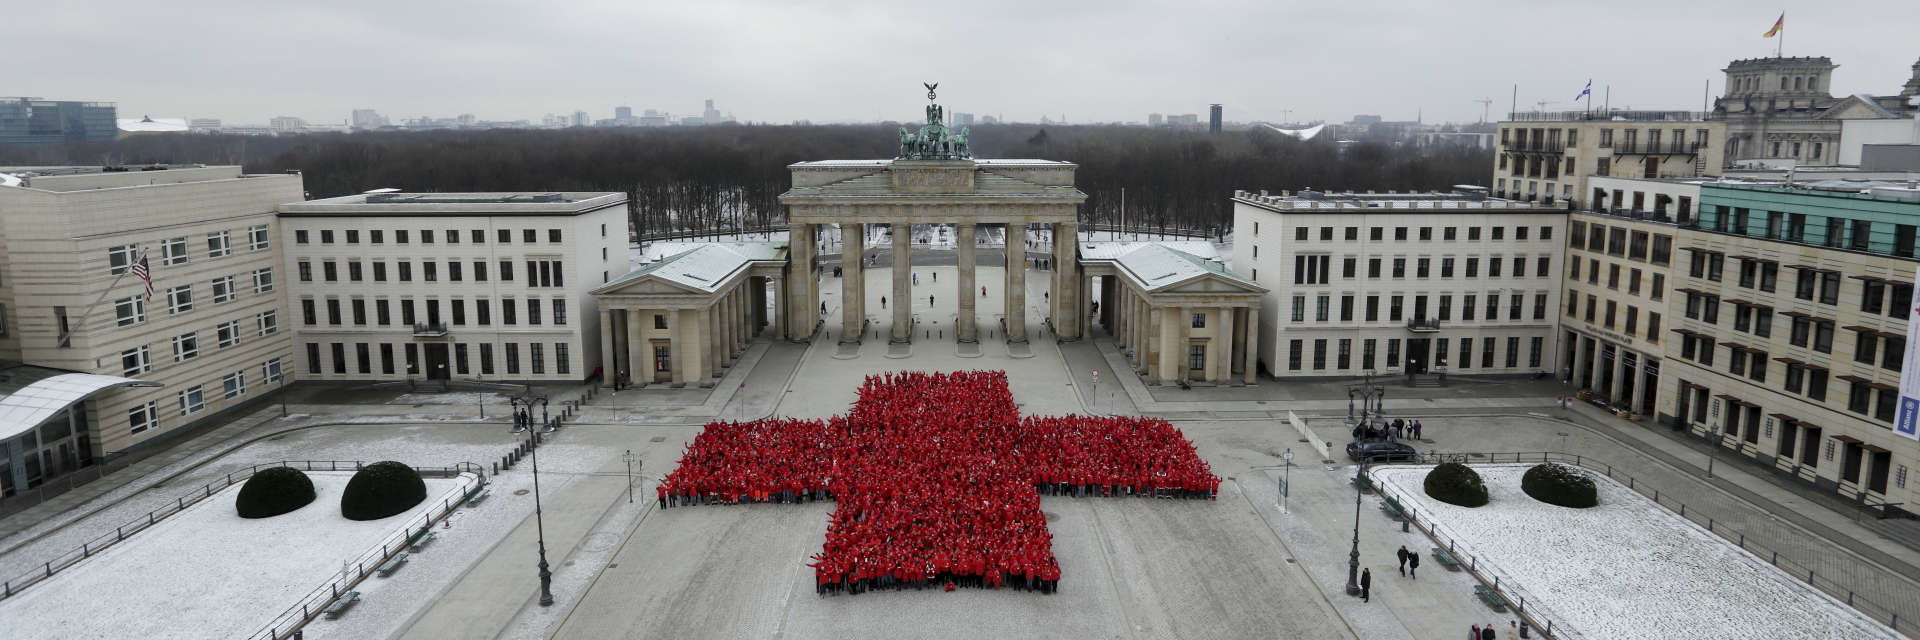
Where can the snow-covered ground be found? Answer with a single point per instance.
(206, 572)
(1627, 568)
(461, 398)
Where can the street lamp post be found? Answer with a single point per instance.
(1286, 480)
(545, 423)
(629, 458)
(540, 525)
(1353, 557)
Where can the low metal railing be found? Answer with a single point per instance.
(1847, 591)
(290, 621)
(121, 533)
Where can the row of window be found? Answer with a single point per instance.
(1549, 139)
(193, 399)
(1634, 276)
(540, 273)
(1442, 310)
(1317, 269)
(356, 312)
(1827, 231)
(1343, 356)
(452, 236)
(175, 251)
(363, 361)
(1811, 284)
(1425, 234)
(1802, 443)
(132, 310)
(139, 359)
(1642, 246)
(1632, 324)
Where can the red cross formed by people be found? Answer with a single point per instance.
(936, 479)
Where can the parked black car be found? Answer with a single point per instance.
(1380, 451)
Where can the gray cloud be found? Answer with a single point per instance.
(780, 61)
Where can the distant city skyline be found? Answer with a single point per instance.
(860, 62)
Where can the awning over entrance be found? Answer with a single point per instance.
(33, 395)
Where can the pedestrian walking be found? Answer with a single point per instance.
(883, 302)
(1402, 554)
(929, 301)
(983, 292)
(1513, 628)
(1366, 585)
(1486, 632)
(1416, 429)
(1475, 634)
(1413, 564)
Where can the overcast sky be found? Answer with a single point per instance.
(778, 61)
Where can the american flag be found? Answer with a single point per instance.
(140, 271)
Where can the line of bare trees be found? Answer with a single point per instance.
(722, 178)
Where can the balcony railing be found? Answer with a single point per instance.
(1423, 325)
(1550, 148)
(1656, 149)
(429, 329)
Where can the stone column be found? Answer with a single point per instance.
(683, 337)
(902, 282)
(710, 340)
(1180, 345)
(635, 323)
(1170, 333)
(965, 329)
(1065, 307)
(1252, 353)
(1579, 361)
(1143, 326)
(1223, 347)
(1620, 373)
(1016, 282)
(782, 307)
(853, 282)
(801, 309)
(609, 368)
(1641, 382)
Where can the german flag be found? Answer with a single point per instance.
(1777, 26)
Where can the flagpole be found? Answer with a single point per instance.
(64, 337)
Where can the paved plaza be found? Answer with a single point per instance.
(1237, 567)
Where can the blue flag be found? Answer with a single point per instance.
(1585, 92)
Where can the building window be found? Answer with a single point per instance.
(223, 289)
(561, 365)
(1294, 349)
(300, 236)
(263, 280)
(1199, 321)
(270, 372)
(142, 417)
(180, 299)
(268, 321)
(536, 358)
(234, 385)
(121, 258)
(1196, 357)
(553, 236)
(136, 361)
(326, 236)
(330, 271)
(218, 244)
(228, 333)
(1320, 354)
(186, 346)
(173, 251)
(130, 311)
(192, 400)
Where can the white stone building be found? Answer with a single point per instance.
(470, 286)
(211, 337)
(1419, 283)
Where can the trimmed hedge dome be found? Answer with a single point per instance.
(1561, 485)
(380, 490)
(274, 491)
(1457, 484)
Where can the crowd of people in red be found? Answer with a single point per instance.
(936, 479)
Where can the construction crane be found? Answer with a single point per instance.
(1485, 105)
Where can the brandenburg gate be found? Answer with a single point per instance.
(934, 180)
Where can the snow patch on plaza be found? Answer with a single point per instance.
(459, 397)
(206, 572)
(1626, 568)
